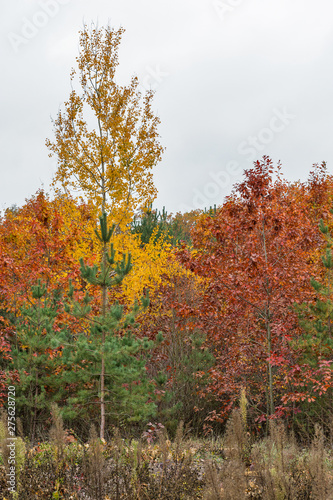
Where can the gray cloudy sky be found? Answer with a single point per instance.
(234, 80)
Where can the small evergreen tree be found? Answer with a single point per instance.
(150, 222)
(110, 357)
(315, 346)
(40, 367)
(317, 319)
(156, 223)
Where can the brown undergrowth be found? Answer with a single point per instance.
(231, 467)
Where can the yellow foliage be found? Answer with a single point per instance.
(110, 163)
(152, 264)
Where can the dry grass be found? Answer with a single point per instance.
(232, 467)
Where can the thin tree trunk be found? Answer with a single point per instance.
(104, 299)
(270, 374)
(271, 408)
(35, 412)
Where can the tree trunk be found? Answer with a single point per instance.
(270, 374)
(104, 298)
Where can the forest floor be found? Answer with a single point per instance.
(232, 466)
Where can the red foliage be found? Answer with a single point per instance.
(255, 255)
(7, 377)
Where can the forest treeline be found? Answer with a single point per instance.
(201, 308)
(126, 316)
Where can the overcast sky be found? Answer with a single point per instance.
(234, 80)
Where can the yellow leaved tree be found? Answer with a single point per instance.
(110, 160)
